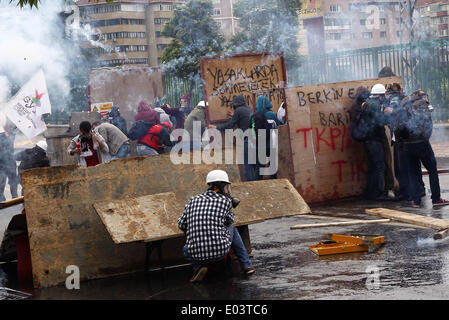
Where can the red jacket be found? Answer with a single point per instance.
(157, 135)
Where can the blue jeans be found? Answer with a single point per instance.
(122, 152)
(144, 150)
(237, 245)
(376, 167)
(416, 153)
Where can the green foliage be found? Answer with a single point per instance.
(195, 34)
(267, 25)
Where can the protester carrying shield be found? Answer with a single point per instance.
(373, 119)
(89, 148)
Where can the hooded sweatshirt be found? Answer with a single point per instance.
(117, 120)
(144, 112)
(263, 104)
(241, 117)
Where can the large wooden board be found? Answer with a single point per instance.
(243, 74)
(327, 163)
(155, 217)
(419, 220)
(64, 228)
(126, 88)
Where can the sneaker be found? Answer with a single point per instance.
(415, 205)
(250, 271)
(391, 194)
(440, 202)
(199, 275)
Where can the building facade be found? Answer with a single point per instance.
(433, 19)
(129, 32)
(340, 25)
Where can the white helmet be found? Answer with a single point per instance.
(378, 89)
(43, 145)
(217, 176)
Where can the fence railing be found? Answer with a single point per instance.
(422, 65)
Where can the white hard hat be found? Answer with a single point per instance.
(201, 104)
(42, 144)
(378, 89)
(217, 176)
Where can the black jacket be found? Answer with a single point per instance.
(35, 157)
(374, 118)
(241, 117)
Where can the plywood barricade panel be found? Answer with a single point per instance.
(326, 163)
(154, 217)
(64, 228)
(126, 88)
(243, 74)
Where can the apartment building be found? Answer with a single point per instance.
(340, 25)
(118, 31)
(433, 19)
(129, 32)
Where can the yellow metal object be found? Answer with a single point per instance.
(340, 243)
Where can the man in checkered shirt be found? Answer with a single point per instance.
(207, 222)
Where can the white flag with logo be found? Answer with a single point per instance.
(26, 108)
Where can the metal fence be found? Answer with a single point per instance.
(175, 88)
(422, 65)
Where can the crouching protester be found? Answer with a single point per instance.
(89, 148)
(207, 222)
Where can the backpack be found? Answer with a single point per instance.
(139, 129)
(419, 123)
(358, 128)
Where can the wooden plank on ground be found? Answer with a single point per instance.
(155, 217)
(336, 224)
(429, 222)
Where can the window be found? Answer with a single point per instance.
(335, 8)
(217, 12)
(383, 34)
(161, 46)
(158, 34)
(443, 33)
(333, 36)
(383, 21)
(367, 35)
(362, 22)
(161, 20)
(443, 20)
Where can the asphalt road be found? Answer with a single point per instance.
(411, 265)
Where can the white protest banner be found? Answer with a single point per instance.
(28, 105)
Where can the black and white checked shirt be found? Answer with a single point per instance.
(205, 220)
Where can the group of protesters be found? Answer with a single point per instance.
(383, 117)
(110, 138)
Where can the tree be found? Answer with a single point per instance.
(194, 34)
(267, 25)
